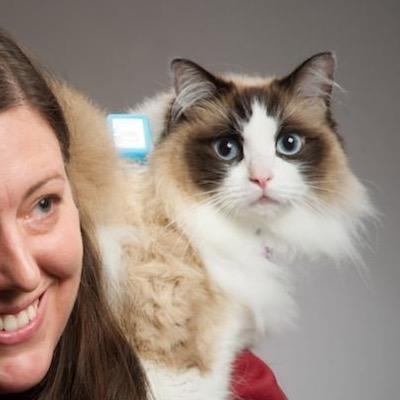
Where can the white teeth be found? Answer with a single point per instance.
(10, 323)
(31, 312)
(22, 319)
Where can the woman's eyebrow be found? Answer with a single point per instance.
(42, 182)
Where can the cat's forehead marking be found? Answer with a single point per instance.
(259, 123)
(259, 134)
(262, 100)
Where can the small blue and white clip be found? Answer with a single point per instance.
(132, 135)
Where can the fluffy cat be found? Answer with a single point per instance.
(246, 173)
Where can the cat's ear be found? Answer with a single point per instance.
(192, 84)
(314, 78)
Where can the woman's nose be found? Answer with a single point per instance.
(18, 268)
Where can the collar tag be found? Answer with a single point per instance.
(132, 135)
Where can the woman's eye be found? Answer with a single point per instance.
(227, 148)
(44, 213)
(45, 205)
(289, 144)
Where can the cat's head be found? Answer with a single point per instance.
(264, 150)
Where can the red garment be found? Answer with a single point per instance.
(253, 380)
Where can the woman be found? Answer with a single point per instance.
(57, 338)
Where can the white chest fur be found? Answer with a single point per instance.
(236, 260)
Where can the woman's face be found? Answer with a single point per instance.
(40, 248)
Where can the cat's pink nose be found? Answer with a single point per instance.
(261, 181)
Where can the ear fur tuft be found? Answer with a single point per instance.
(314, 78)
(192, 84)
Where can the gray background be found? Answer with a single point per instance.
(346, 344)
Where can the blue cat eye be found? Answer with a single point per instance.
(227, 148)
(289, 144)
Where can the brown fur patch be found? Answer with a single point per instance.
(169, 299)
(93, 169)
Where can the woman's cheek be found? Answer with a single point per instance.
(59, 252)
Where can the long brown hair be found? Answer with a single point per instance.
(92, 360)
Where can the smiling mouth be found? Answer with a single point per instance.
(14, 322)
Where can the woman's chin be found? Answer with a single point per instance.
(21, 372)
